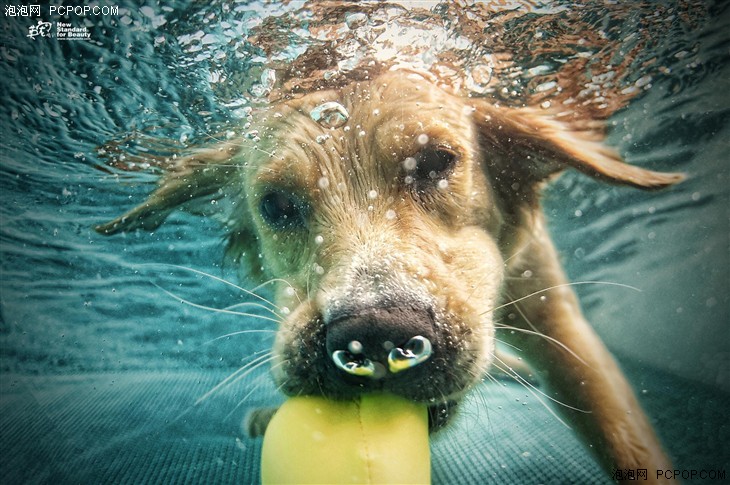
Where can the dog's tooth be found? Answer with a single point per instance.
(416, 351)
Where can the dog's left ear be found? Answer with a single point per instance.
(530, 145)
(189, 178)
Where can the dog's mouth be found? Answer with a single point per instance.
(408, 350)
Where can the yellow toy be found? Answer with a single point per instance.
(378, 438)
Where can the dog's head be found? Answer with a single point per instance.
(389, 208)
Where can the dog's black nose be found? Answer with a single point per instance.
(379, 342)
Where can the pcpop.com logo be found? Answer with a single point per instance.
(62, 29)
(41, 29)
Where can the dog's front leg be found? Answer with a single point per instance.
(575, 366)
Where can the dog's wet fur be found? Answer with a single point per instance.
(379, 251)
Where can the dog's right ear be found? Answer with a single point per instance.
(529, 146)
(202, 173)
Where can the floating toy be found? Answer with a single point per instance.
(378, 438)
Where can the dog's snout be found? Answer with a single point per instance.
(379, 342)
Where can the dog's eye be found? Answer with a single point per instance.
(281, 211)
(434, 163)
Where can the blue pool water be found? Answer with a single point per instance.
(105, 321)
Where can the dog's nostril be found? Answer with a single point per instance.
(381, 342)
(353, 363)
(416, 351)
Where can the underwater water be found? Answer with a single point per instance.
(108, 345)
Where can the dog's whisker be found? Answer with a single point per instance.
(285, 381)
(563, 285)
(277, 280)
(523, 315)
(253, 147)
(242, 375)
(218, 386)
(539, 399)
(537, 392)
(251, 304)
(240, 332)
(501, 326)
(479, 284)
(507, 344)
(482, 395)
(309, 277)
(517, 252)
(504, 264)
(216, 278)
(253, 389)
(237, 375)
(479, 394)
(537, 332)
(491, 378)
(216, 310)
(239, 145)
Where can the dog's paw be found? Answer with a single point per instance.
(256, 422)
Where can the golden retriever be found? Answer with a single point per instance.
(402, 218)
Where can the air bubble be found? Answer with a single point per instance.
(409, 163)
(263, 88)
(355, 20)
(323, 182)
(642, 81)
(373, 194)
(318, 239)
(330, 114)
(355, 347)
(422, 139)
(478, 78)
(541, 88)
(390, 214)
(443, 184)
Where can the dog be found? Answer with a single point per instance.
(404, 223)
